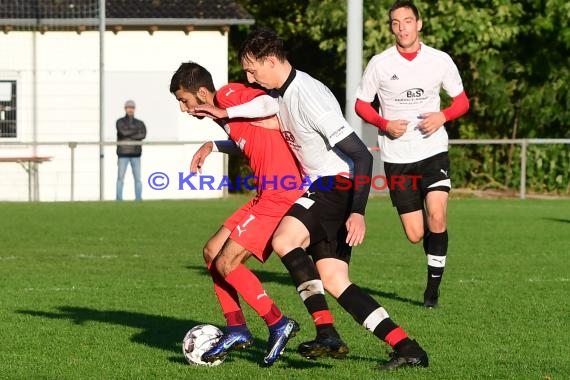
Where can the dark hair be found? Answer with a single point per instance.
(261, 44)
(191, 76)
(403, 4)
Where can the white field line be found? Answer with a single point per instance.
(475, 280)
(80, 288)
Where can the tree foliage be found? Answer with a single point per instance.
(513, 55)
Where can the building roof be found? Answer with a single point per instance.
(128, 13)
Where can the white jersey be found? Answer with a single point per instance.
(406, 89)
(312, 124)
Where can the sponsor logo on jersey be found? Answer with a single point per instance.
(337, 132)
(413, 93)
(290, 139)
(411, 96)
(288, 136)
(394, 77)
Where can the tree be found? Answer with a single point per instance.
(514, 55)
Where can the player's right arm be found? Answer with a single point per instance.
(367, 90)
(259, 107)
(366, 111)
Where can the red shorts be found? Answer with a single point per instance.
(253, 225)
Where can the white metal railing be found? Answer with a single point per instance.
(524, 143)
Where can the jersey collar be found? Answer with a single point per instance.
(290, 78)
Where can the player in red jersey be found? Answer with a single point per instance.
(249, 230)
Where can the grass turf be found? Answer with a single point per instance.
(108, 290)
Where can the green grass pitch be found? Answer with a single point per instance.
(108, 290)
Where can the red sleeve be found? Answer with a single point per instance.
(458, 107)
(370, 115)
(234, 94)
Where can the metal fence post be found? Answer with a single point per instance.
(72, 146)
(524, 144)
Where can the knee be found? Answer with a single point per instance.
(224, 266)
(209, 253)
(437, 223)
(415, 235)
(335, 283)
(281, 244)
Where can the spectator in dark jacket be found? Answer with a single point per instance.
(130, 129)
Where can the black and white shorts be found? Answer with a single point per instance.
(323, 210)
(410, 183)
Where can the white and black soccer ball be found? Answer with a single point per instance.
(198, 340)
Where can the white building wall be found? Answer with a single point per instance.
(138, 66)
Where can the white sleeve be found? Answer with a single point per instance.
(334, 126)
(452, 83)
(323, 113)
(370, 82)
(261, 106)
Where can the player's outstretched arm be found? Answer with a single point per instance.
(200, 156)
(259, 107)
(223, 146)
(354, 148)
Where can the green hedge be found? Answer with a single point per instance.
(484, 167)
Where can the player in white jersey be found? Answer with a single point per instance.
(407, 79)
(329, 219)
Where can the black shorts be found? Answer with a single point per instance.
(323, 210)
(410, 183)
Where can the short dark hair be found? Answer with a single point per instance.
(190, 76)
(261, 44)
(403, 4)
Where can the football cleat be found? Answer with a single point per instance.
(278, 338)
(320, 347)
(416, 357)
(431, 298)
(228, 342)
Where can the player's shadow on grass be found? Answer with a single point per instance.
(161, 332)
(158, 331)
(560, 220)
(284, 279)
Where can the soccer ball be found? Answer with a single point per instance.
(198, 340)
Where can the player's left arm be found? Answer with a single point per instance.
(353, 147)
(453, 85)
(327, 120)
(432, 121)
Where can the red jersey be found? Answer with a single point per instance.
(269, 156)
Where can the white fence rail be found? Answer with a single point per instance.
(32, 167)
(524, 143)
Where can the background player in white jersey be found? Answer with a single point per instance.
(329, 219)
(407, 78)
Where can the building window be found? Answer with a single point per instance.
(8, 127)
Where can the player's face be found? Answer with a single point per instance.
(187, 102)
(406, 27)
(259, 72)
(130, 111)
